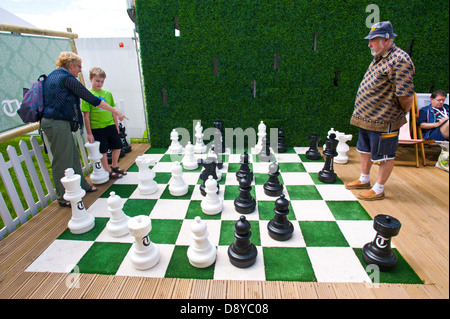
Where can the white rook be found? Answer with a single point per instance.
(143, 254)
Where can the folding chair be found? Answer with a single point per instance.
(406, 138)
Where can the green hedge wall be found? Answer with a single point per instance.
(301, 96)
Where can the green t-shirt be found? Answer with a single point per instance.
(99, 118)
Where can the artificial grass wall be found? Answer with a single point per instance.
(226, 46)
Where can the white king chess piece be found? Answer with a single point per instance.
(99, 174)
(146, 184)
(201, 253)
(117, 225)
(81, 221)
(143, 254)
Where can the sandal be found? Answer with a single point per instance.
(91, 190)
(118, 170)
(64, 203)
(114, 175)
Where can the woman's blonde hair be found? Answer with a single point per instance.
(67, 57)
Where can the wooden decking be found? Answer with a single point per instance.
(418, 197)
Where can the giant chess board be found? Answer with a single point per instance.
(330, 228)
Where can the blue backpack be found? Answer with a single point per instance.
(32, 107)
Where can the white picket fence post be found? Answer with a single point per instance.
(29, 157)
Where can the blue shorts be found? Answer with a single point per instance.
(108, 137)
(381, 146)
(436, 135)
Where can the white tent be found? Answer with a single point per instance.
(10, 18)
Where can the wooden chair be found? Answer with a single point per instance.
(411, 134)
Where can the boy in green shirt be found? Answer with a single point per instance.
(101, 125)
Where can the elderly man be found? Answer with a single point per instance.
(384, 96)
(433, 119)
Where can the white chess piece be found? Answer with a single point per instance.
(342, 148)
(261, 134)
(81, 221)
(201, 253)
(199, 146)
(146, 184)
(177, 186)
(211, 204)
(117, 225)
(175, 146)
(143, 254)
(99, 174)
(189, 161)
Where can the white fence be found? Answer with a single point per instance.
(45, 195)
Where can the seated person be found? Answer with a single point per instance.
(433, 119)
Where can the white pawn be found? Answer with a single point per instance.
(201, 253)
(211, 204)
(143, 254)
(81, 221)
(199, 146)
(118, 223)
(146, 185)
(189, 161)
(99, 175)
(177, 186)
(175, 146)
(261, 135)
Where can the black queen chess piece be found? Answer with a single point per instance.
(242, 252)
(280, 228)
(273, 187)
(245, 203)
(327, 174)
(244, 169)
(379, 251)
(313, 152)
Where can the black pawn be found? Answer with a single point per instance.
(273, 187)
(242, 252)
(281, 144)
(265, 155)
(379, 251)
(313, 152)
(244, 170)
(209, 168)
(327, 174)
(280, 228)
(245, 203)
(126, 148)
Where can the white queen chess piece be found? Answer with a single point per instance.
(117, 225)
(177, 186)
(81, 221)
(211, 204)
(99, 174)
(201, 253)
(175, 146)
(146, 185)
(143, 254)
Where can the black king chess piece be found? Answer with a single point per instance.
(280, 228)
(245, 203)
(313, 152)
(327, 174)
(379, 251)
(244, 169)
(220, 142)
(273, 187)
(242, 252)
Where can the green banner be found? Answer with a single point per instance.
(23, 58)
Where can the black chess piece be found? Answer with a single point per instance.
(273, 187)
(327, 174)
(220, 142)
(126, 148)
(313, 152)
(280, 228)
(265, 155)
(379, 251)
(245, 203)
(281, 143)
(209, 168)
(242, 252)
(244, 170)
